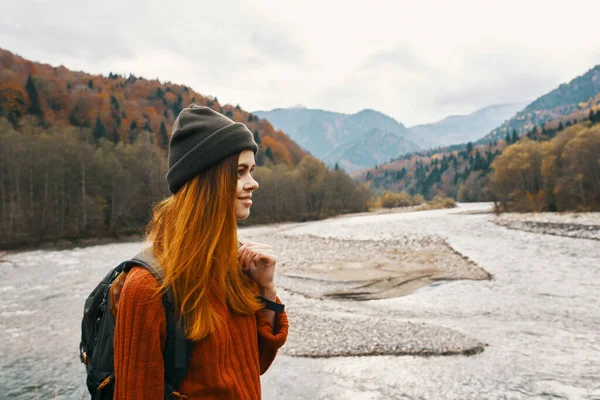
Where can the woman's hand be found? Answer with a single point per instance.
(259, 260)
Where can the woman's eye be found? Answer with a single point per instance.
(243, 171)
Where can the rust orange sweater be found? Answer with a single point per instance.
(225, 365)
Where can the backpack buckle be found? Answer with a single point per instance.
(105, 382)
(84, 359)
(177, 396)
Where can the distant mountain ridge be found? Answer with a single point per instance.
(462, 170)
(563, 100)
(372, 147)
(333, 136)
(457, 129)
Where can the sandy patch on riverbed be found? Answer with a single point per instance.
(364, 269)
(328, 279)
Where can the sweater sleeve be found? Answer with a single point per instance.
(140, 335)
(270, 339)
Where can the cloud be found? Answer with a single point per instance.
(406, 83)
(417, 62)
(399, 57)
(273, 43)
(497, 73)
(46, 30)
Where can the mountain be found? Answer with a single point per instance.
(333, 136)
(117, 108)
(370, 149)
(463, 128)
(562, 101)
(549, 160)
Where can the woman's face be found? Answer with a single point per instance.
(245, 185)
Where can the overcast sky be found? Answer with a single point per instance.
(417, 61)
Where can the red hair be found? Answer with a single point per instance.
(194, 235)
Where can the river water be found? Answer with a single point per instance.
(540, 317)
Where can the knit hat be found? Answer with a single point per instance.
(202, 137)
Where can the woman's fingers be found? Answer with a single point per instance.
(246, 254)
(253, 248)
(243, 255)
(251, 254)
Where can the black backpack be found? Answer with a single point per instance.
(98, 327)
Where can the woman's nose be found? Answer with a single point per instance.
(252, 184)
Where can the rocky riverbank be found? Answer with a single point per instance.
(576, 225)
(324, 278)
(381, 307)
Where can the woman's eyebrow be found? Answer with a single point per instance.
(244, 165)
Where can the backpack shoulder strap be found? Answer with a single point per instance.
(177, 349)
(148, 260)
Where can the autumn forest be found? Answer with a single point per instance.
(84, 156)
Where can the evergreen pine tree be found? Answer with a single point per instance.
(90, 84)
(177, 107)
(99, 131)
(269, 153)
(257, 137)
(133, 131)
(35, 107)
(515, 136)
(336, 167)
(163, 135)
(115, 103)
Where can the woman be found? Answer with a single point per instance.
(214, 283)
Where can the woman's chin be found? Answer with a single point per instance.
(242, 215)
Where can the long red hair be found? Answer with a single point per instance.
(194, 235)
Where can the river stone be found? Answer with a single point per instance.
(347, 334)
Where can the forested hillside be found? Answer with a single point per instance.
(85, 156)
(562, 101)
(552, 167)
(116, 108)
(556, 172)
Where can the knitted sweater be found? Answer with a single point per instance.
(227, 364)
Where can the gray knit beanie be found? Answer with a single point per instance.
(202, 137)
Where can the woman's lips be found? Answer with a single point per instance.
(246, 201)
